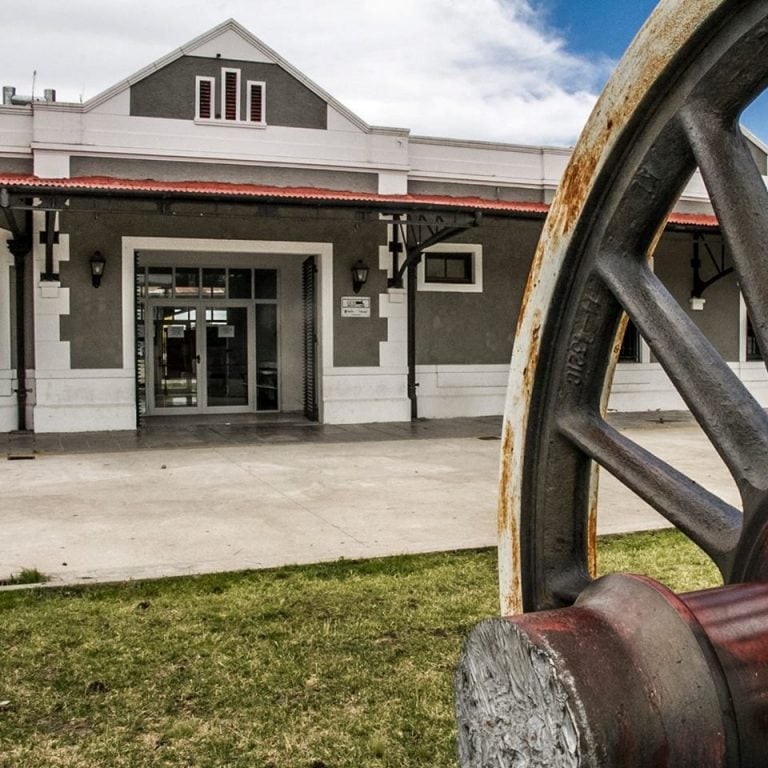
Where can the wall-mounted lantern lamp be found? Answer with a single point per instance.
(97, 268)
(359, 275)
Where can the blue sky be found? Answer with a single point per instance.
(605, 28)
(521, 71)
(597, 27)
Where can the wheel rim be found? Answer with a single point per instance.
(672, 105)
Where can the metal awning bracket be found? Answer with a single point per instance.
(718, 264)
(14, 202)
(421, 231)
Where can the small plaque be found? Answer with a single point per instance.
(355, 306)
(226, 331)
(175, 331)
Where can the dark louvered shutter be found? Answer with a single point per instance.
(309, 274)
(205, 100)
(257, 103)
(230, 95)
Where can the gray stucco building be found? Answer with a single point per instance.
(227, 199)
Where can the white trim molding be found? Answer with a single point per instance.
(450, 391)
(199, 80)
(363, 395)
(85, 400)
(322, 251)
(262, 86)
(224, 102)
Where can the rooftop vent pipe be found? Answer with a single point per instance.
(10, 97)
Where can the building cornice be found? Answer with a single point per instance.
(121, 153)
(493, 145)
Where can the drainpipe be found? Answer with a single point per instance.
(20, 247)
(413, 260)
(21, 349)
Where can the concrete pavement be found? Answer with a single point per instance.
(183, 499)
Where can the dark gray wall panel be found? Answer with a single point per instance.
(93, 327)
(356, 339)
(16, 165)
(452, 328)
(170, 92)
(478, 328)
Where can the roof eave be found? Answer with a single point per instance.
(306, 196)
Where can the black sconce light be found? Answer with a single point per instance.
(359, 275)
(97, 268)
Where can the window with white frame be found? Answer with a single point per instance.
(255, 105)
(230, 94)
(205, 88)
(456, 267)
(453, 268)
(230, 99)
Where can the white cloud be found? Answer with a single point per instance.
(477, 69)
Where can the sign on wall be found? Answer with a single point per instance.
(355, 306)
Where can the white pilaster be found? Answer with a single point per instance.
(393, 183)
(393, 305)
(51, 165)
(51, 301)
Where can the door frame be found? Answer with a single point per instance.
(131, 245)
(200, 305)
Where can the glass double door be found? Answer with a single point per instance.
(203, 356)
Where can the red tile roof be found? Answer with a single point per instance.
(107, 184)
(694, 219)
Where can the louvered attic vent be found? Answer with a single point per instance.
(230, 108)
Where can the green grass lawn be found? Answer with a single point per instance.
(346, 665)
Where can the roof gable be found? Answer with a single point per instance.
(228, 40)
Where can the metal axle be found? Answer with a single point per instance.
(631, 675)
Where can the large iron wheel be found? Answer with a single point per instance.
(673, 105)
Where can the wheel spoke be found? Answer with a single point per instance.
(734, 422)
(705, 518)
(740, 199)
